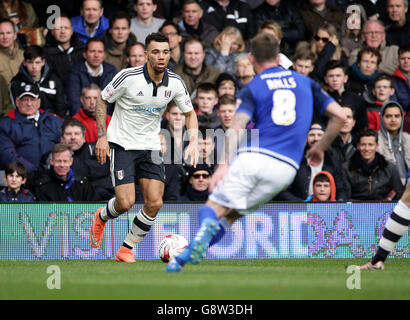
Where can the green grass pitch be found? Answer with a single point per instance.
(259, 279)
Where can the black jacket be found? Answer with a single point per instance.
(343, 152)
(194, 195)
(237, 14)
(52, 92)
(396, 35)
(287, 16)
(24, 195)
(50, 188)
(372, 182)
(357, 102)
(79, 77)
(61, 60)
(86, 164)
(299, 189)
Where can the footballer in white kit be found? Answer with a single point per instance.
(132, 140)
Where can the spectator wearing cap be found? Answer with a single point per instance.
(28, 134)
(302, 186)
(394, 144)
(198, 183)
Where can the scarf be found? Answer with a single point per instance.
(366, 79)
(195, 195)
(67, 183)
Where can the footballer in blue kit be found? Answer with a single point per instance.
(280, 102)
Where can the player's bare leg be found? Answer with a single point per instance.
(152, 191)
(124, 196)
(396, 226)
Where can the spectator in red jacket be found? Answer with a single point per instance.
(86, 115)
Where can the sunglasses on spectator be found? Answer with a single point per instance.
(199, 175)
(317, 38)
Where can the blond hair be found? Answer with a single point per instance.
(330, 29)
(229, 30)
(274, 26)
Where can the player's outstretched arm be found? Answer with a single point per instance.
(102, 149)
(337, 117)
(191, 151)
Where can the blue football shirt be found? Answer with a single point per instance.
(281, 103)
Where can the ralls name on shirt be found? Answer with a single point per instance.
(285, 83)
(276, 74)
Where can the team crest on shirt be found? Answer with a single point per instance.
(120, 174)
(167, 93)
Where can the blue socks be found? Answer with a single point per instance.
(203, 213)
(206, 212)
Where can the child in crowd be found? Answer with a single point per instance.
(324, 188)
(382, 91)
(206, 99)
(16, 177)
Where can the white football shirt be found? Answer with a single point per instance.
(139, 105)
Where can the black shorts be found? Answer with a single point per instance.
(128, 166)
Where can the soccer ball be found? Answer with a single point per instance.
(171, 246)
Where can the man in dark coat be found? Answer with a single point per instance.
(302, 186)
(368, 176)
(63, 48)
(198, 183)
(287, 16)
(60, 182)
(225, 13)
(92, 70)
(85, 161)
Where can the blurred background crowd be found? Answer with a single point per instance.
(57, 56)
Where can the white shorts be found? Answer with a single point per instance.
(252, 180)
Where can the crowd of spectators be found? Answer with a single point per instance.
(53, 68)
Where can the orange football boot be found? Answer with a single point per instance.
(124, 255)
(97, 230)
